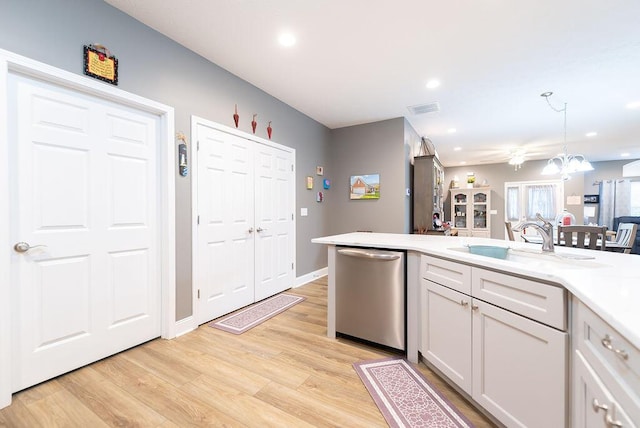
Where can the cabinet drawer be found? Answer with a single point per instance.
(450, 274)
(593, 337)
(592, 401)
(541, 302)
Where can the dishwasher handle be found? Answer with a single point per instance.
(369, 254)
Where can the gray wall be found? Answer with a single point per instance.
(372, 148)
(153, 66)
(497, 174)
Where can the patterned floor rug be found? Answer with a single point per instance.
(251, 316)
(405, 397)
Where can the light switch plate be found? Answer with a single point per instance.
(303, 212)
(493, 212)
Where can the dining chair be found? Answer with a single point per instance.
(582, 236)
(625, 235)
(507, 224)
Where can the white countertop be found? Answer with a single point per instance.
(609, 284)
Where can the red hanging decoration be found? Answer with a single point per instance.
(254, 124)
(269, 130)
(236, 118)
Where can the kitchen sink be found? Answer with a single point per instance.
(537, 259)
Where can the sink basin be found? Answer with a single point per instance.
(489, 251)
(535, 258)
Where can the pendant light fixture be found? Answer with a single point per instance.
(564, 164)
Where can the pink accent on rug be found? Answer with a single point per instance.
(405, 398)
(251, 316)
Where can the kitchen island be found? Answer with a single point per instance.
(596, 329)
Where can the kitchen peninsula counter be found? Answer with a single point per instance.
(609, 284)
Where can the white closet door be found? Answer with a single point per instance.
(225, 234)
(274, 221)
(86, 190)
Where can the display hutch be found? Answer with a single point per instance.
(470, 210)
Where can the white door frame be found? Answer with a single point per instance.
(10, 62)
(195, 121)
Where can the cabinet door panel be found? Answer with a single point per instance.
(446, 332)
(519, 368)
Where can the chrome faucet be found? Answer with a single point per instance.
(545, 230)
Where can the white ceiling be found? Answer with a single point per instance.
(359, 61)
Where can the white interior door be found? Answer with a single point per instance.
(86, 189)
(225, 231)
(274, 221)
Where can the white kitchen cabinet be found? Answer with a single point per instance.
(446, 332)
(519, 368)
(513, 366)
(593, 404)
(470, 211)
(606, 373)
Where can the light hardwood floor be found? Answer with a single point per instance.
(282, 373)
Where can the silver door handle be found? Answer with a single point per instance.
(606, 342)
(368, 254)
(250, 230)
(259, 229)
(597, 406)
(23, 247)
(612, 422)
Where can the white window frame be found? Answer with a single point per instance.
(522, 209)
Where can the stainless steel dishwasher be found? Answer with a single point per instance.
(370, 295)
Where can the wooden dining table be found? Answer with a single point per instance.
(609, 246)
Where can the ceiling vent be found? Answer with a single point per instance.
(424, 108)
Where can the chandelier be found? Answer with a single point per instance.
(516, 160)
(564, 163)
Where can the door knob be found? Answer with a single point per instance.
(250, 230)
(261, 230)
(23, 247)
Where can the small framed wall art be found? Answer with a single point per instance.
(309, 182)
(319, 170)
(364, 186)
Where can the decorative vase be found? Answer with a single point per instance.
(269, 130)
(236, 118)
(254, 124)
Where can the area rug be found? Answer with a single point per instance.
(405, 398)
(251, 316)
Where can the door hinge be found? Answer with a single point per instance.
(198, 293)
(291, 266)
(198, 145)
(198, 220)
(291, 216)
(291, 167)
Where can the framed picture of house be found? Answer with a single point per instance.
(364, 186)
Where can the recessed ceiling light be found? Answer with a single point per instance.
(625, 155)
(634, 104)
(287, 39)
(457, 149)
(433, 83)
(452, 130)
(591, 134)
(463, 162)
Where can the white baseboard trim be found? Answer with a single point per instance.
(185, 325)
(311, 276)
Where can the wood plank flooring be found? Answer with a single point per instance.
(282, 373)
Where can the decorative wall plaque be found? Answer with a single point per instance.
(100, 64)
